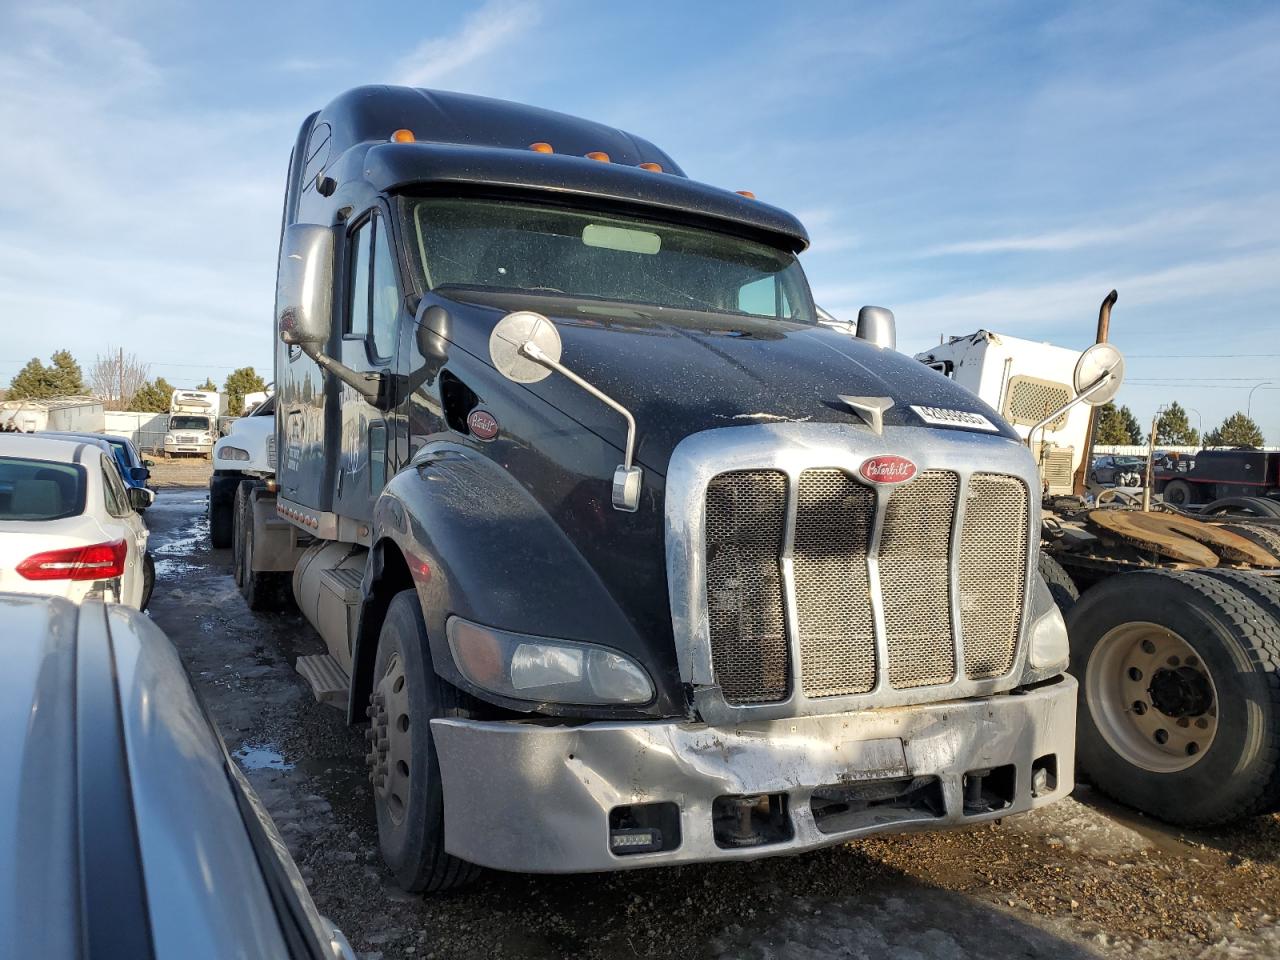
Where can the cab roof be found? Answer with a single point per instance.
(465, 143)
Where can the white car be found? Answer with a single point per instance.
(68, 525)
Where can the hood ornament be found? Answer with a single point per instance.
(870, 409)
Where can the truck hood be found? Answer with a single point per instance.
(680, 373)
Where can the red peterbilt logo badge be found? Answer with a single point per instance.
(887, 469)
(482, 424)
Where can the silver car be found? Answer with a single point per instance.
(126, 830)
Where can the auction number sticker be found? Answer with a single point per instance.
(942, 417)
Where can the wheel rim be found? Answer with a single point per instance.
(390, 759)
(1151, 697)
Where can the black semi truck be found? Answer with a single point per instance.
(626, 556)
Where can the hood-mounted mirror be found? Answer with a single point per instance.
(525, 347)
(1099, 373)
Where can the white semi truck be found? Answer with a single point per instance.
(193, 422)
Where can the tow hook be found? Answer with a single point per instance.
(376, 758)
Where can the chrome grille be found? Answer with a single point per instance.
(993, 549)
(834, 519)
(824, 573)
(915, 580)
(746, 517)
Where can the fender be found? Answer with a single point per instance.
(478, 545)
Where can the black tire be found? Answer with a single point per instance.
(148, 580)
(1244, 507)
(1238, 643)
(1179, 493)
(1263, 591)
(222, 506)
(1093, 478)
(410, 802)
(1059, 582)
(1268, 538)
(263, 591)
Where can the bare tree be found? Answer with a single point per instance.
(117, 378)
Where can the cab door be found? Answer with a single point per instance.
(372, 310)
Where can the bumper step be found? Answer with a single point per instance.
(329, 682)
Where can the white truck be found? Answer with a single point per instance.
(1025, 381)
(193, 422)
(59, 414)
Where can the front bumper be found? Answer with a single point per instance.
(536, 797)
(188, 448)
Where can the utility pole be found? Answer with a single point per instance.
(1151, 462)
(1104, 331)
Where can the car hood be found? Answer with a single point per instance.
(683, 372)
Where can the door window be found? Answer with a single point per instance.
(113, 490)
(358, 313)
(375, 296)
(385, 307)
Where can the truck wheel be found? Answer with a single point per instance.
(221, 512)
(1059, 582)
(262, 590)
(1179, 493)
(404, 767)
(1244, 507)
(1179, 696)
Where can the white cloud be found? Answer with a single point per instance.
(486, 31)
(1231, 223)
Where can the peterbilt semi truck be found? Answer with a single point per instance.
(624, 557)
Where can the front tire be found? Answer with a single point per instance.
(222, 511)
(405, 769)
(263, 590)
(1061, 586)
(1179, 493)
(1179, 696)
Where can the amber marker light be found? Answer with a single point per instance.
(541, 147)
(655, 167)
(598, 155)
(745, 193)
(403, 136)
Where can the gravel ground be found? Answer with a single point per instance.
(1078, 879)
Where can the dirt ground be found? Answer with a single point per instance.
(1076, 880)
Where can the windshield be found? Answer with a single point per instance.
(40, 489)
(189, 423)
(512, 246)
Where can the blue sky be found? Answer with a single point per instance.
(998, 165)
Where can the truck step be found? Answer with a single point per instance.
(329, 682)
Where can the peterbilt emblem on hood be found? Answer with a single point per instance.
(887, 468)
(482, 424)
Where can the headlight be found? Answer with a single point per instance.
(539, 669)
(232, 453)
(168, 438)
(1050, 649)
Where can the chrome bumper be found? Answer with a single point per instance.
(536, 798)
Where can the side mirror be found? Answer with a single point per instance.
(304, 292)
(139, 474)
(140, 498)
(876, 325)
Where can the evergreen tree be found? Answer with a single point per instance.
(68, 378)
(1117, 426)
(35, 381)
(1173, 429)
(153, 398)
(208, 384)
(1236, 431)
(239, 382)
